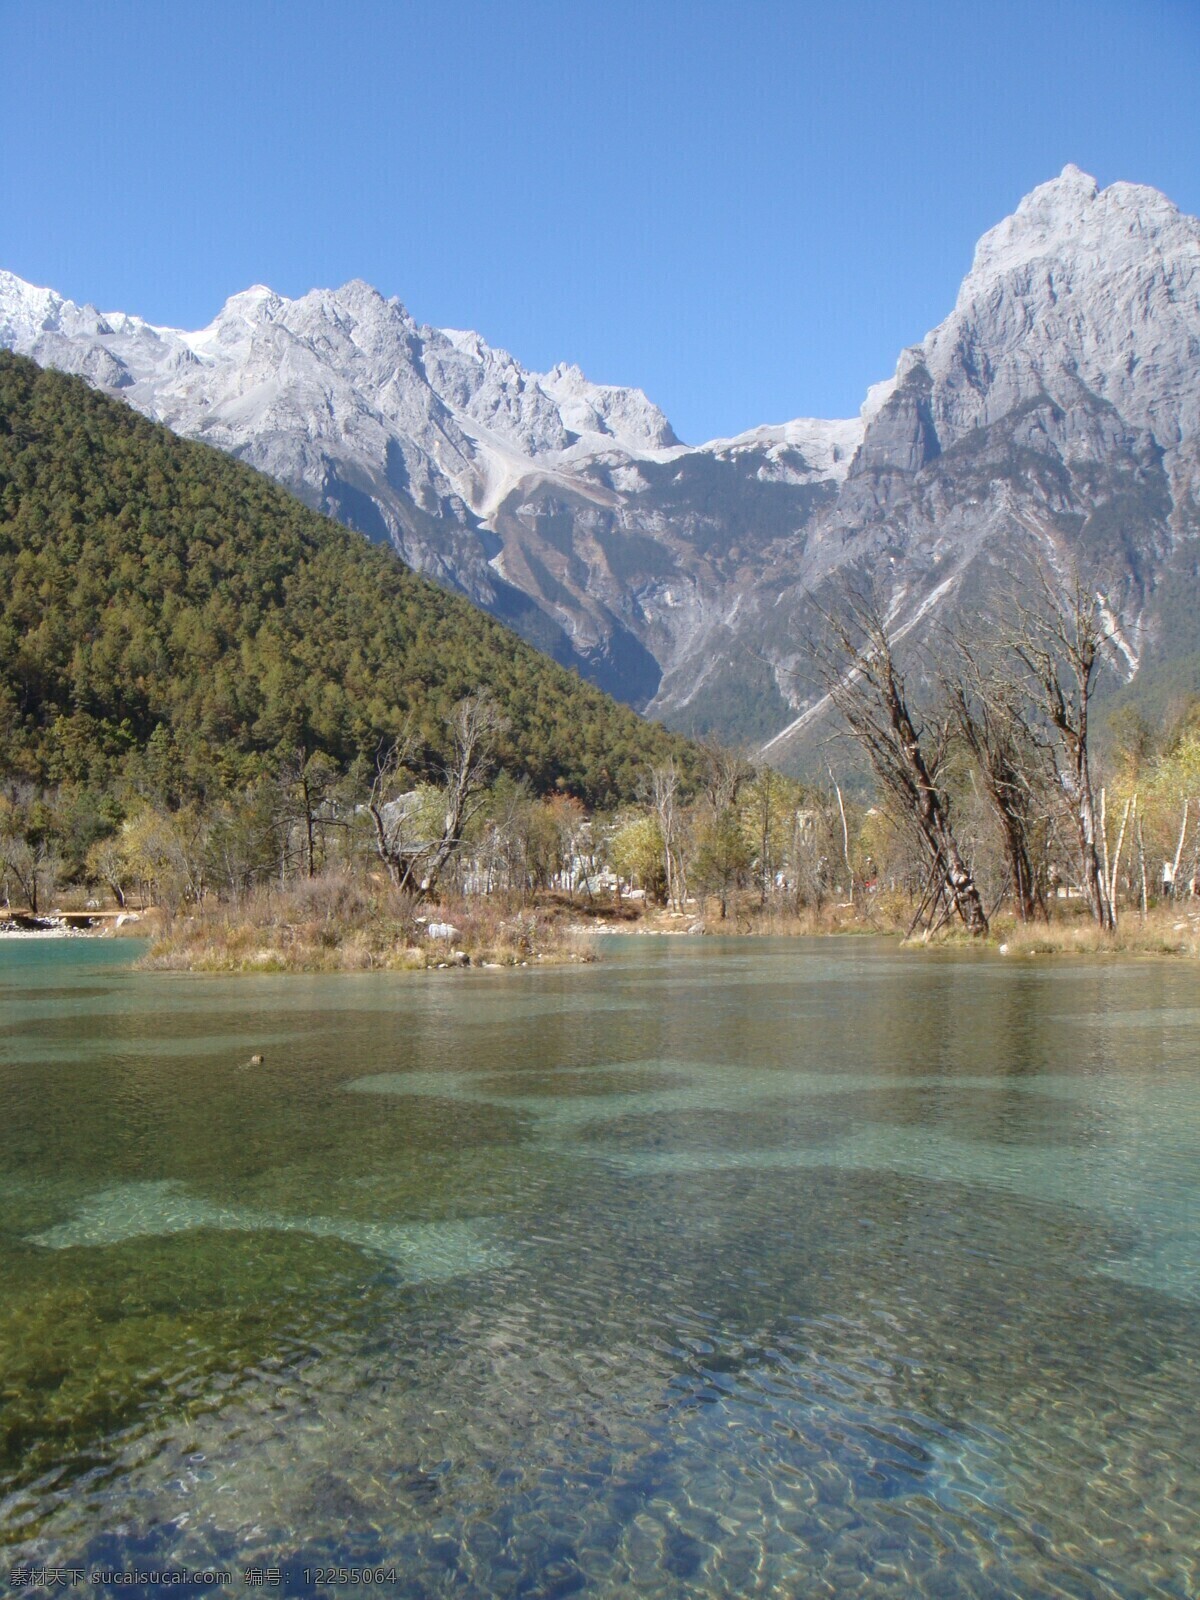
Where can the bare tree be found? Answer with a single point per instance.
(723, 772)
(106, 863)
(1061, 642)
(476, 724)
(415, 863)
(390, 814)
(766, 800)
(663, 797)
(908, 755)
(1171, 878)
(991, 718)
(574, 839)
(34, 867)
(29, 855)
(841, 805)
(306, 784)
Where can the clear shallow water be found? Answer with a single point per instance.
(796, 1269)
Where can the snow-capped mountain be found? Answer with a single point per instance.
(422, 437)
(1057, 405)
(1081, 285)
(1056, 412)
(394, 427)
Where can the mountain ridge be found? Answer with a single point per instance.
(677, 576)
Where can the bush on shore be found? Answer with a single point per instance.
(337, 924)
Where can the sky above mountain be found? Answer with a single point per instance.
(744, 210)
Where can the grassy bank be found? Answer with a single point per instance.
(337, 925)
(1164, 930)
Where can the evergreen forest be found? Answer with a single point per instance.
(169, 615)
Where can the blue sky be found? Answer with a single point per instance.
(747, 209)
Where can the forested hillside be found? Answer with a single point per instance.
(163, 604)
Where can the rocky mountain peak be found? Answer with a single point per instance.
(1079, 286)
(27, 311)
(1072, 220)
(1059, 401)
(1043, 221)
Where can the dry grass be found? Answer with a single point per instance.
(336, 924)
(1166, 930)
(748, 917)
(879, 914)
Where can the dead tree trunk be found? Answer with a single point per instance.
(991, 722)
(475, 726)
(397, 852)
(837, 789)
(866, 687)
(1060, 645)
(663, 795)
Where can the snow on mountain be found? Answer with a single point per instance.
(348, 370)
(1058, 404)
(1080, 285)
(825, 449)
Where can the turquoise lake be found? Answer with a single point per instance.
(720, 1268)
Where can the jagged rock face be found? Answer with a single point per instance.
(903, 434)
(1057, 408)
(1080, 285)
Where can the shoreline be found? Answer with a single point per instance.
(60, 925)
(211, 944)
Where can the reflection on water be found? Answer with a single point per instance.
(716, 1270)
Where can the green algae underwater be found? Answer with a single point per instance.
(717, 1269)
